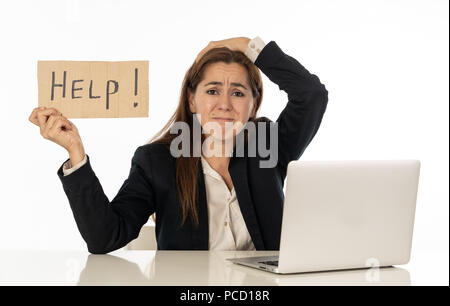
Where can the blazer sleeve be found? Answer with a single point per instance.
(307, 102)
(109, 225)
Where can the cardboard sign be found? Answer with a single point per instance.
(94, 89)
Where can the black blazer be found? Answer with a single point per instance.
(150, 187)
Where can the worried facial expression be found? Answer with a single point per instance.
(224, 95)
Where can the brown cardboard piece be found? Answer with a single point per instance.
(92, 89)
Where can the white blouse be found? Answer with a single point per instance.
(227, 228)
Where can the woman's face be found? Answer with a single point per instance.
(224, 95)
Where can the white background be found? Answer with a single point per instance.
(384, 63)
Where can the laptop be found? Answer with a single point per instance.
(344, 215)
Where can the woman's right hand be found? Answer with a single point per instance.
(57, 128)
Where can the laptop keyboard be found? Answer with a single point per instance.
(270, 262)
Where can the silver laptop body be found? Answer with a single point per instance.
(345, 215)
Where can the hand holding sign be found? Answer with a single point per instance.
(87, 90)
(57, 128)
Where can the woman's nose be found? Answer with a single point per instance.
(225, 103)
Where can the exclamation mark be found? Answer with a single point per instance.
(135, 84)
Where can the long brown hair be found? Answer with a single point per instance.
(187, 167)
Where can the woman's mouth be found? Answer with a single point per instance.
(223, 119)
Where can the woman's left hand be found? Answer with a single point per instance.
(235, 44)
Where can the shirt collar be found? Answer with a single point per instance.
(208, 170)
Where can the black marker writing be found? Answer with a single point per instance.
(108, 93)
(135, 85)
(90, 92)
(63, 85)
(74, 89)
(135, 81)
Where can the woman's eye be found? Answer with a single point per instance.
(213, 91)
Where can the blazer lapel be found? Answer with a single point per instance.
(200, 235)
(238, 173)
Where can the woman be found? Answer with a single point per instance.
(219, 201)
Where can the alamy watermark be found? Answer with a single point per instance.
(223, 141)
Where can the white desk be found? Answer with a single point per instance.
(191, 268)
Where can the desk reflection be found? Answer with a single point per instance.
(199, 268)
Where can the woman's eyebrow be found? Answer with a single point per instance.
(221, 84)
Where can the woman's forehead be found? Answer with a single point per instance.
(223, 72)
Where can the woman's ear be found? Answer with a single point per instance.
(191, 102)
